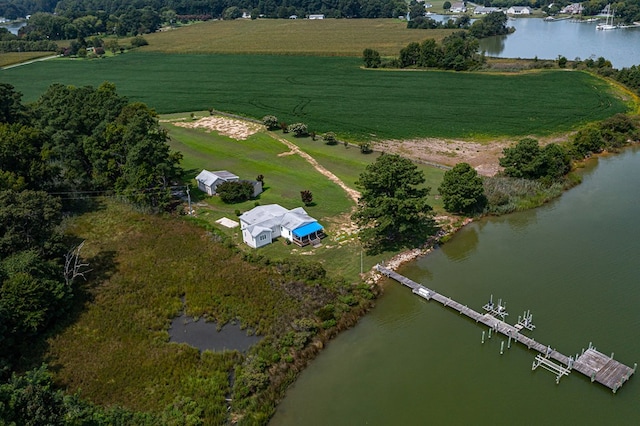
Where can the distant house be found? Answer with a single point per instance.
(519, 10)
(263, 224)
(481, 10)
(209, 181)
(318, 16)
(572, 9)
(458, 7)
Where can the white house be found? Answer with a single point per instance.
(482, 10)
(458, 7)
(262, 224)
(209, 181)
(519, 10)
(572, 9)
(317, 16)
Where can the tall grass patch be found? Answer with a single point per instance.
(335, 94)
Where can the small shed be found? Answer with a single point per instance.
(316, 16)
(209, 181)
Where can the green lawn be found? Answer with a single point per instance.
(334, 94)
(285, 177)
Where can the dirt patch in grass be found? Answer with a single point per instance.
(236, 129)
(483, 157)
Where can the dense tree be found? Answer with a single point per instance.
(523, 160)
(371, 58)
(528, 161)
(28, 221)
(462, 190)
(393, 211)
(11, 109)
(492, 24)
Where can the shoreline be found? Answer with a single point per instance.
(410, 255)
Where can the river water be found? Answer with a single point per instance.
(547, 40)
(573, 263)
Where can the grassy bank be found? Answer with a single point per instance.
(334, 94)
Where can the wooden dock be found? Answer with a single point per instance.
(597, 366)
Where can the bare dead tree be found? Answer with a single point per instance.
(74, 266)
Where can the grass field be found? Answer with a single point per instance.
(12, 58)
(334, 94)
(328, 37)
(285, 176)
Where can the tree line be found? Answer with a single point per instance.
(458, 51)
(71, 144)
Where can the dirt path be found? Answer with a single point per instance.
(355, 195)
(30, 62)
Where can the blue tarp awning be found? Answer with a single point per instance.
(305, 230)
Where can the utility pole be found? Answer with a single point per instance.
(189, 199)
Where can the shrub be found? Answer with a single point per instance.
(139, 41)
(299, 129)
(330, 138)
(306, 196)
(234, 192)
(270, 122)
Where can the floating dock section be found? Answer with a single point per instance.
(597, 366)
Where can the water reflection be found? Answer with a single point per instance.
(466, 244)
(206, 336)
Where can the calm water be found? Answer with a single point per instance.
(574, 263)
(14, 27)
(547, 40)
(206, 336)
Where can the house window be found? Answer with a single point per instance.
(263, 237)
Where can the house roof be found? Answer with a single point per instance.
(209, 178)
(271, 215)
(260, 214)
(256, 230)
(305, 230)
(296, 218)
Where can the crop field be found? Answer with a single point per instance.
(335, 94)
(11, 58)
(328, 37)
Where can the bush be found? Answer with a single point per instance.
(299, 129)
(270, 122)
(330, 138)
(234, 192)
(139, 41)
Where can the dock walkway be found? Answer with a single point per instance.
(593, 364)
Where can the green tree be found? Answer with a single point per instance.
(446, 5)
(556, 161)
(299, 129)
(28, 221)
(524, 160)
(234, 192)
(330, 138)
(462, 190)
(393, 211)
(11, 110)
(270, 122)
(371, 58)
(410, 55)
(306, 196)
